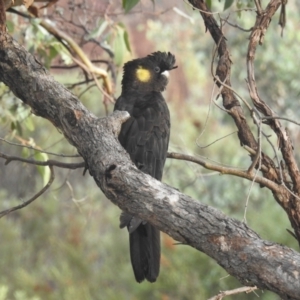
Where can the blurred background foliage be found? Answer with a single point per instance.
(67, 244)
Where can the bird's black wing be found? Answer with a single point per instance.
(145, 136)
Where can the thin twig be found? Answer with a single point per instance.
(49, 162)
(111, 99)
(217, 12)
(227, 170)
(234, 91)
(216, 140)
(256, 159)
(36, 149)
(244, 289)
(237, 26)
(207, 116)
(280, 118)
(85, 90)
(257, 156)
(258, 6)
(43, 190)
(76, 66)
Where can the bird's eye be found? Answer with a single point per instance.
(157, 69)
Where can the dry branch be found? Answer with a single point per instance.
(244, 289)
(37, 195)
(290, 203)
(49, 162)
(287, 196)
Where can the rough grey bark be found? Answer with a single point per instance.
(234, 246)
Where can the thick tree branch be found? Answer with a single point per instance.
(234, 246)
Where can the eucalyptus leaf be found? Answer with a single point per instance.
(126, 40)
(43, 171)
(98, 30)
(228, 3)
(208, 3)
(129, 4)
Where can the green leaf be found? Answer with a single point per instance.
(28, 122)
(228, 3)
(25, 152)
(129, 4)
(44, 171)
(12, 126)
(208, 3)
(15, 125)
(98, 30)
(119, 46)
(126, 40)
(10, 26)
(52, 52)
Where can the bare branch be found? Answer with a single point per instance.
(37, 149)
(280, 118)
(236, 26)
(83, 66)
(270, 171)
(226, 170)
(258, 6)
(42, 191)
(216, 140)
(73, 47)
(257, 156)
(49, 162)
(244, 289)
(291, 204)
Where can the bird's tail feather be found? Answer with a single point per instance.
(145, 252)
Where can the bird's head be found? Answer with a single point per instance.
(149, 73)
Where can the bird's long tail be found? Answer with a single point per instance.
(145, 252)
(144, 242)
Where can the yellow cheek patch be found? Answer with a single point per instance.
(143, 75)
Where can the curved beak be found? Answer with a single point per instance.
(165, 73)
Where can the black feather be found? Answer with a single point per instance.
(145, 136)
